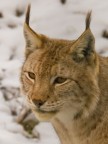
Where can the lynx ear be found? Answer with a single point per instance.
(83, 47)
(33, 40)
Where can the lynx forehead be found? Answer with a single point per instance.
(63, 83)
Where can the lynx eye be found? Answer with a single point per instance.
(31, 75)
(60, 80)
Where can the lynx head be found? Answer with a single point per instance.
(60, 74)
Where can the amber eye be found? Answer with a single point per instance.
(31, 75)
(60, 80)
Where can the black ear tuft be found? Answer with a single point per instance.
(88, 20)
(33, 40)
(84, 47)
(27, 14)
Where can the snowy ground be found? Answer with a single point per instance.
(49, 17)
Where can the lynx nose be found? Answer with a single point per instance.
(38, 103)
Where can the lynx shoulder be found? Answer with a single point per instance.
(66, 82)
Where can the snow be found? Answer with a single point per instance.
(51, 18)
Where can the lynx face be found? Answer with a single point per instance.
(60, 74)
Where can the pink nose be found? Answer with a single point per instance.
(38, 103)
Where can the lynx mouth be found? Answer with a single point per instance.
(44, 111)
(42, 115)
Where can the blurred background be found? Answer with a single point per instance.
(58, 19)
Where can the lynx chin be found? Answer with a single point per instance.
(66, 82)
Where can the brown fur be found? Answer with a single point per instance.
(66, 82)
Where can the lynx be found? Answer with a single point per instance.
(66, 83)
